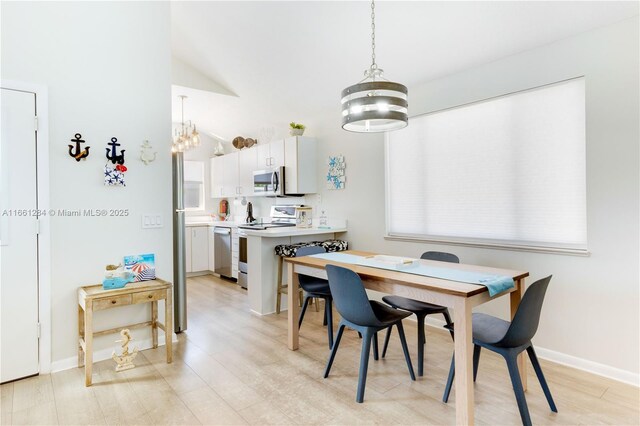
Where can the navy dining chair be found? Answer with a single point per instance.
(316, 288)
(509, 339)
(420, 309)
(365, 316)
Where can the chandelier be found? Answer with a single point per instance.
(374, 104)
(187, 136)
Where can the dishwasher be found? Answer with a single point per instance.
(222, 250)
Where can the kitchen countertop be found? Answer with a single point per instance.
(291, 231)
(212, 223)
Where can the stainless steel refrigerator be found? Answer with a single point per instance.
(179, 259)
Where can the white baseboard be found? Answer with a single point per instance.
(571, 361)
(101, 355)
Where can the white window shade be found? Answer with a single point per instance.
(507, 171)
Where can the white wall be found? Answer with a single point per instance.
(591, 314)
(107, 68)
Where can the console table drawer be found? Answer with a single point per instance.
(149, 296)
(110, 302)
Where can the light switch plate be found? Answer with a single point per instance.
(151, 221)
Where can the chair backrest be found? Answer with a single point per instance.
(305, 280)
(309, 250)
(440, 256)
(350, 296)
(525, 322)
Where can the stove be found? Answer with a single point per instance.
(281, 216)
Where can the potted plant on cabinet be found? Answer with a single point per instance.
(296, 129)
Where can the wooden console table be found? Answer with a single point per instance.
(94, 298)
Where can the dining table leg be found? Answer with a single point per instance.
(292, 307)
(464, 362)
(515, 298)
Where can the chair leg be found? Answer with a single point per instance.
(405, 349)
(512, 365)
(316, 302)
(476, 360)
(328, 314)
(541, 379)
(300, 296)
(334, 350)
(421, 342)
(447, 319)
(375, 346)
(386, 342)
(452, 373)
(279, 285)
(324, 321)
(364, 363)
(303, 310)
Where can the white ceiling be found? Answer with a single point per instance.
(289, 60)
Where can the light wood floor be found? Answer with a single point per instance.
(231, 367)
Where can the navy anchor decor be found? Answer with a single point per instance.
(79, 154)
(113, 156)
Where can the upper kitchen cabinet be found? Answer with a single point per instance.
(300, 168)
(247, 164)
(232, 174)
(271, 155)
(224, 176)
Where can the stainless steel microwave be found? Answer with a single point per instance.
(269, 182)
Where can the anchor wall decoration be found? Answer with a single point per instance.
(145, 153)
(79, 154)
(113, 156)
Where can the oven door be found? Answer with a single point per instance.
(269, 182)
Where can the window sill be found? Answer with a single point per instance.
(490, 245)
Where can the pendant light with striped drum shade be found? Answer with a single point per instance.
(374, 104)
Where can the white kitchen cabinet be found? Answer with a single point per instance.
(217, 173)
(211, 248)
(187, 246)
(300, 166)
(224, 176)
(247, 164)
(230, 177)
(235, 250)
(270, 155)
(199, 248)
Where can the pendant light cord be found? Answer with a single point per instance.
(373, 35)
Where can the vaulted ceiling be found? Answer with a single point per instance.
(288, 60)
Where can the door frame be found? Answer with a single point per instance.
(44, 237)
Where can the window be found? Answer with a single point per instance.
(193, 185)
(507, 171)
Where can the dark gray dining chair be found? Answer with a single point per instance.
(420, 309)
(363, 315)
(509, 339)
(316, 288)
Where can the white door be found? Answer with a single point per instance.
(18, 237)
(217, 175)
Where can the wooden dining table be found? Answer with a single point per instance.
(459, 296)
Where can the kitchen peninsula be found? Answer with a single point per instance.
(263, 262)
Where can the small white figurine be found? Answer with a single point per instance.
(124, 361)
(145, 153)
